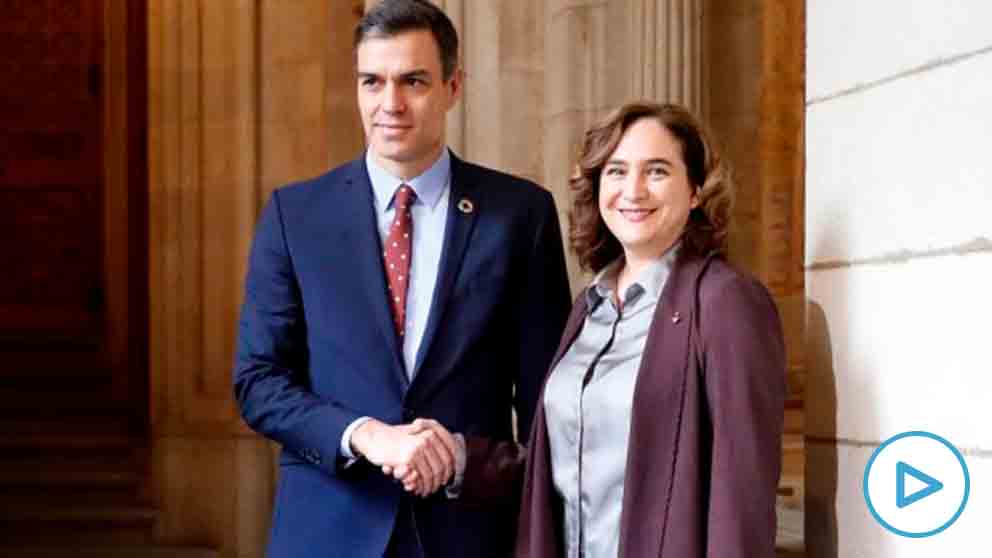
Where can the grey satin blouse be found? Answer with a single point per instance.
(588, 402)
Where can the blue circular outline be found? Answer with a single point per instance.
(932, 436)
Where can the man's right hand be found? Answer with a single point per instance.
(405, 448)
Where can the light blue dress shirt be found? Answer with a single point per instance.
(429, 213)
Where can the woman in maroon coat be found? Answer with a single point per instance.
(659, 429)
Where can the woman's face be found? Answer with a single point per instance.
(644, 191)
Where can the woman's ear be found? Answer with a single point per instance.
(694, 201)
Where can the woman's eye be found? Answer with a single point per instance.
(657, 172)
(614, 171)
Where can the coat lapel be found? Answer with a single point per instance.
(360, 233)
(656, 415)
(572, 328)
(539, 527)
(458, 232)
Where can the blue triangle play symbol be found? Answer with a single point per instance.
(903, 469)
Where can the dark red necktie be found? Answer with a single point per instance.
(397, 253)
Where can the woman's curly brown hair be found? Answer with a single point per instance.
(706, 229)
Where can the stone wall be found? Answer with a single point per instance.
(898, 257)
(245, 96)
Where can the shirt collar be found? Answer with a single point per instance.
(429, 185)
(651, 280)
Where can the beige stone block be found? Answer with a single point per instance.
(343, 124)
(214, 492)
(736, 136)
(224, 252)
(293, 30)
(823, 491)
(291, 152)
(732, 56)
(885, 357)
(792, 312)
(196, 491)
(521, 39)
(613, 65)
(344, 136)
(229, 153)
(563, 137)
(556, 8)
(839, 525)
(294, 91)
(882, 39)
(572, 59)
(522, 144)
(254, 496)
(743, 242)
(740, 9)
(563, 134)
(483, 110)
(228, 60)
(901, 168)
(228, 95)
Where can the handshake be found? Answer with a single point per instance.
(423, 455)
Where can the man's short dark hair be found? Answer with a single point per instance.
(389, 18)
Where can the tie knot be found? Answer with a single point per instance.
(405, 196)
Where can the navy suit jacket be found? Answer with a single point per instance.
(317, 350)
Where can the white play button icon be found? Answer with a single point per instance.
(916, 484)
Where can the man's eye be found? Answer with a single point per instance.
(657, 172)
(614, 171)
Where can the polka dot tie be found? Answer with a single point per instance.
(397, 252)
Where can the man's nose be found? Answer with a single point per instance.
(393, 98)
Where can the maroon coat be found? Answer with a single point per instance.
(705, 441)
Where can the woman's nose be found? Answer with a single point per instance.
(634, 187)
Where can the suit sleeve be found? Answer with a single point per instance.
(494, 468)
(544, 306)
(272, 356)
(744, 356)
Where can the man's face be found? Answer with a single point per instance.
(403, 100)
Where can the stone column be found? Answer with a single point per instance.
(753, 102)
(599, 55)
(243, 96)
(203, 157)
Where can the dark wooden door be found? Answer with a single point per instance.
(53, 312)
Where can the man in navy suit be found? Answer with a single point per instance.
(397, 310)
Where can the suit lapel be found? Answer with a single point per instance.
(457, 233)
(361, 235)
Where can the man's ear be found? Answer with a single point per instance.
(456, 83)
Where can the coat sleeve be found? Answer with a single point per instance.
(744, 368)
(494, 468)
(272, 356)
